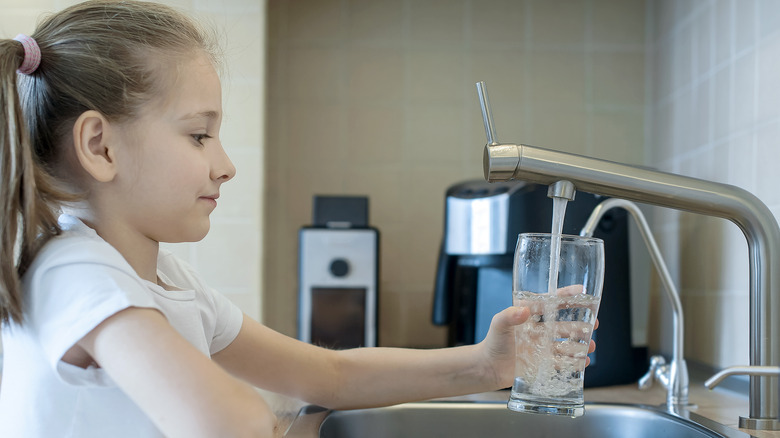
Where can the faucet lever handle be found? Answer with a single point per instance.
(487, 115)
(754, 370)
(646, 381)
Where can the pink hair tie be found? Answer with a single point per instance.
(32, 54)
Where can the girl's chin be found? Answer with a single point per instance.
(190, 234)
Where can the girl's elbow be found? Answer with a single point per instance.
(257, 419)
(249, 424)
(258, 425)
(245, 416)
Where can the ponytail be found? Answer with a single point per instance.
(27, 219)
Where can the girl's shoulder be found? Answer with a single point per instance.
(77, 244)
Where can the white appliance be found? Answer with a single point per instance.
(337, 282)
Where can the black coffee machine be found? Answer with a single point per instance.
(474, 273)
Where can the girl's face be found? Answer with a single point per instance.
(172, 163)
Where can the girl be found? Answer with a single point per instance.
(109, 144)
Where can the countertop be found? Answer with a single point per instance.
(720, 405)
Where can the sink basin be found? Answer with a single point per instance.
(465, 419)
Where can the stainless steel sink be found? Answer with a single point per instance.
(459, 419)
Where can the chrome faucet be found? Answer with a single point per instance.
(503, 162)
(673, 375)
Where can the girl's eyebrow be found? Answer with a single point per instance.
(202, 114)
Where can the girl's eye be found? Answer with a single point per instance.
(200, 137)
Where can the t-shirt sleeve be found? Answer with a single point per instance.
(228, 322)
(70, 300)
(221, 317)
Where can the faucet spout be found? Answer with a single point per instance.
(561, 189)
(544, 166)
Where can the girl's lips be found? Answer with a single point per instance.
(210, 199)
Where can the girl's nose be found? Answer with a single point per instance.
(223, 169)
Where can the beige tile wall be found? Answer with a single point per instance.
(229, 258)
(377, 98)
(715, 115)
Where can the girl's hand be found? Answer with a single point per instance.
(497, 350)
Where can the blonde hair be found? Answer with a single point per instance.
(111, 56)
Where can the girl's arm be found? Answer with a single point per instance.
(178, 387)
(367, 377)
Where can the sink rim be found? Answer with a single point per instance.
(686, 417)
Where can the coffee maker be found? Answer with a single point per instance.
(474, 272)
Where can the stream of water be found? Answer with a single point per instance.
(559, 211)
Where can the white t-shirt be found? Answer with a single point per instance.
(76, 282)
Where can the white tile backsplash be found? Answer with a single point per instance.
(618, 22)
(721, 115)
(768, 65)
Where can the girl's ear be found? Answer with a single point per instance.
(92, 145)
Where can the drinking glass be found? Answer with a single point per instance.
(559, 279)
